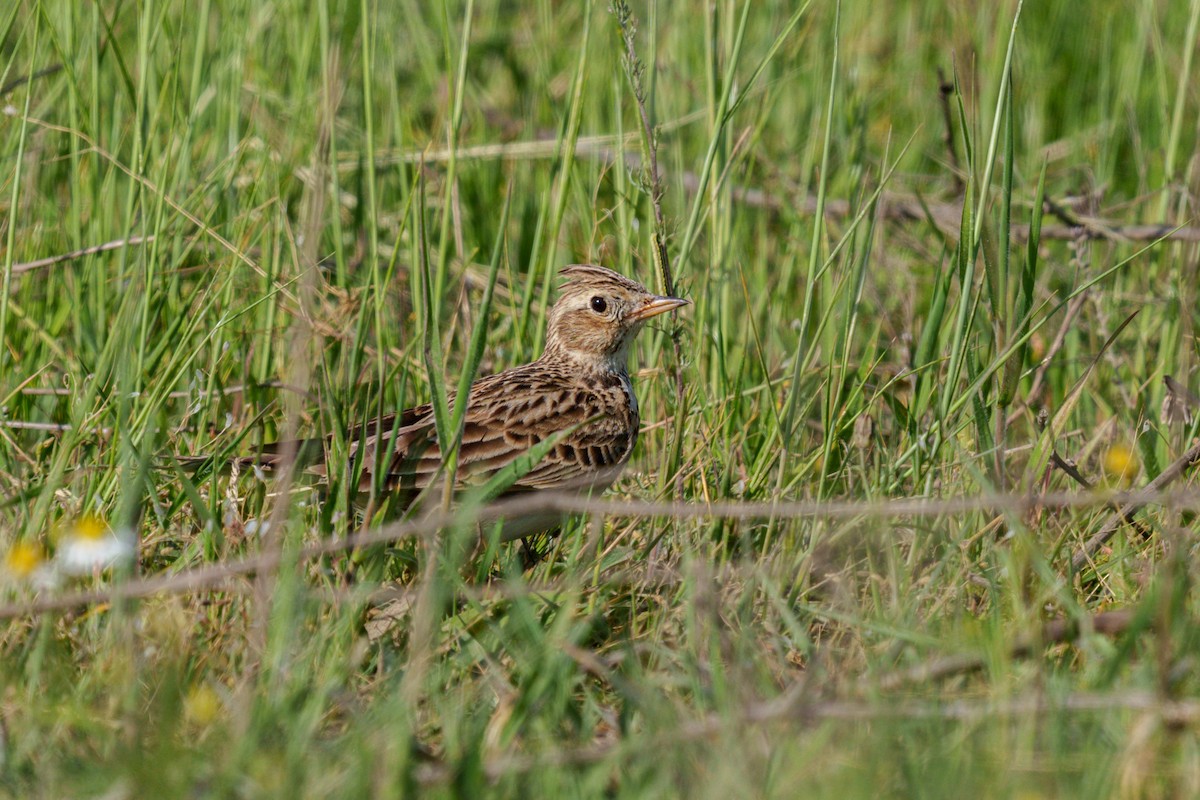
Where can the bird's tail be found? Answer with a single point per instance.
(270, 456)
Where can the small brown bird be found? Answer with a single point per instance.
(579, 388)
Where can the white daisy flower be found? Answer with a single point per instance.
(91, 546)
(254, 528)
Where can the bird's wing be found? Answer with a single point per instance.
(395, 444)
(315, 451)
(508, 414)
(592, 456)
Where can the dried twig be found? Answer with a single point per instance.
(793, 706)
(116, 244)
(894, 206)
(47, 427)
(1180, 403)
(1072, 471)
(945, 92)
(181, 394)
(1074, 474)
(1118, 518)
(535, 504)
(1110, 623)
(45, 72)
(948, 216)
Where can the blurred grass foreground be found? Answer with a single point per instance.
(913, 512)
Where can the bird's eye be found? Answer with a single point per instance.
(598, 305)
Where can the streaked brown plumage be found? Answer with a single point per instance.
(581, 379)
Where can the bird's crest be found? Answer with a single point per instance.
(593, 276)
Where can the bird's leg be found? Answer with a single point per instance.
(530, 557)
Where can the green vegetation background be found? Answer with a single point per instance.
(271, 176)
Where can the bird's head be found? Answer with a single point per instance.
(598, 314)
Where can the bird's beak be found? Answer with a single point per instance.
(657, 305)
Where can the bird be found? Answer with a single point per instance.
(578, 391)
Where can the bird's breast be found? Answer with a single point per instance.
(635, 416)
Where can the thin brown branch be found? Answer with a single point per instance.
(47, 427)
(237, 388)
(893, 206)
(1074, 474)
(948, 216)
(1072, 471)
(45, 72)
(1109, 623)
(796, 708)
(1172, 473)
(1087, 227)
(945, 92)
(218, 575)
(48, 261)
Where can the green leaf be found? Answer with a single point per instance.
(434, 360)
(1024, 307)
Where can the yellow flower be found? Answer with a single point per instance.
(26, 562)
(23, 559)
(1121, 464)
(90, 528)
(202, 706)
